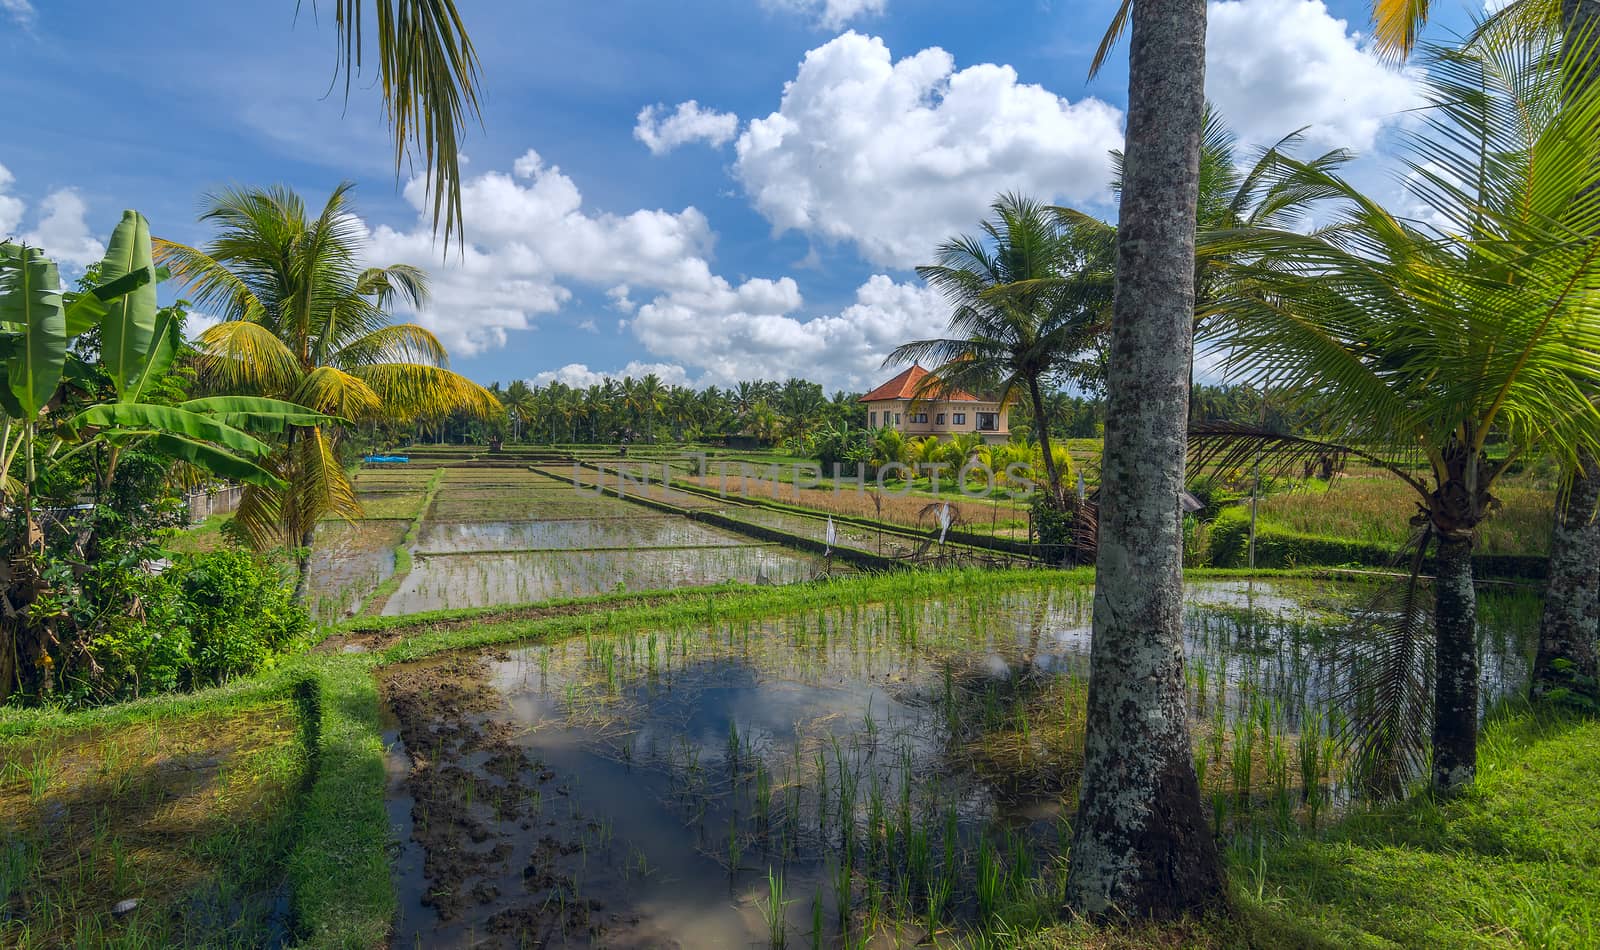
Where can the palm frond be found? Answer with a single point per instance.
(1386, 669)
(414, 390)
(428, 72)
(239, 354)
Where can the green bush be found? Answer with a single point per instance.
(239, 613)
(208, 618)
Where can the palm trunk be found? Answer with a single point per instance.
(303, 562)
(1042, 423)
(1455, 698)
(1140, 843)
(1570, 625)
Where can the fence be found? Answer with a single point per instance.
(203, 504)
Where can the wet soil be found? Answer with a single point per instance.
(483, 814)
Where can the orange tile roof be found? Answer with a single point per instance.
(905, 385)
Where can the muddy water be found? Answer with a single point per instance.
(637, 789)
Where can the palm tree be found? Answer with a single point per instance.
(1025, 297)
(1140, 843)
(520, 403)
(1571, 621)
(304, 321)
(1268, 192)
(1436, 339)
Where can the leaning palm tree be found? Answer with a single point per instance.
(1571, 622)
(1027, 295)
(304, 320)
(1466, 343)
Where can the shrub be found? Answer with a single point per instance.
(239, 612)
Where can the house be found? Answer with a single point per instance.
(894, 405)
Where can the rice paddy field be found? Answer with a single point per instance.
(547, 715)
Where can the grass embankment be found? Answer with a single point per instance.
(1516, 863)
(1512, 864)
(402, 551)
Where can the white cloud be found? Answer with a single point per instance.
(20, 11)
(63, 231)
(11, 208)
(531, 242)
(662, 132)
(750, 331)
(1273, 66)
(829, 14)
(898, 156)
(528, 236)
(196, 322)
(580, 376)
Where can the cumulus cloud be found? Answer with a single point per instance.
(20, 11)
(1273, 66)
(10, 207)
(898, 156)
(751, 331)
(528, 236)
(661, 131)
(63, 230)
(532, 246)
(580, 376)
(829, 14)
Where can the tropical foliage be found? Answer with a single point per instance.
(304, 319)
(1467, 340)
(1028, 297)
(95, 429)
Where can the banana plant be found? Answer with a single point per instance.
(138, 342)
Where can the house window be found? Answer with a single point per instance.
(872, 419)
(938, 420)
(958, 418)
(988, 421)
(919, 417)
(897, 418)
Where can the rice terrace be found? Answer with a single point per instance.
(1151, 527)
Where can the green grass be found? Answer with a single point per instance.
(1512, 864)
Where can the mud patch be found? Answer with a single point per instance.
(495, 828)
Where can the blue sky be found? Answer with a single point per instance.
(769, 231)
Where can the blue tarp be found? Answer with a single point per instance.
(386, 458)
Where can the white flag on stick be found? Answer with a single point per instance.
(944, 521)
(831, 536)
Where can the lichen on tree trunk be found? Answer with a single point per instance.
(1140, 843)
(1570, 624)
(1455, 716)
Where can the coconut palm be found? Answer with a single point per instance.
(1156, 858)
(1570, 625)
(521, 403)
(303, 320)
(1265, 192)
(1026, 297)
(1432, 339)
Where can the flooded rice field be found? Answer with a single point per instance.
(490, 579)
(492, 537)
(872, 775)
